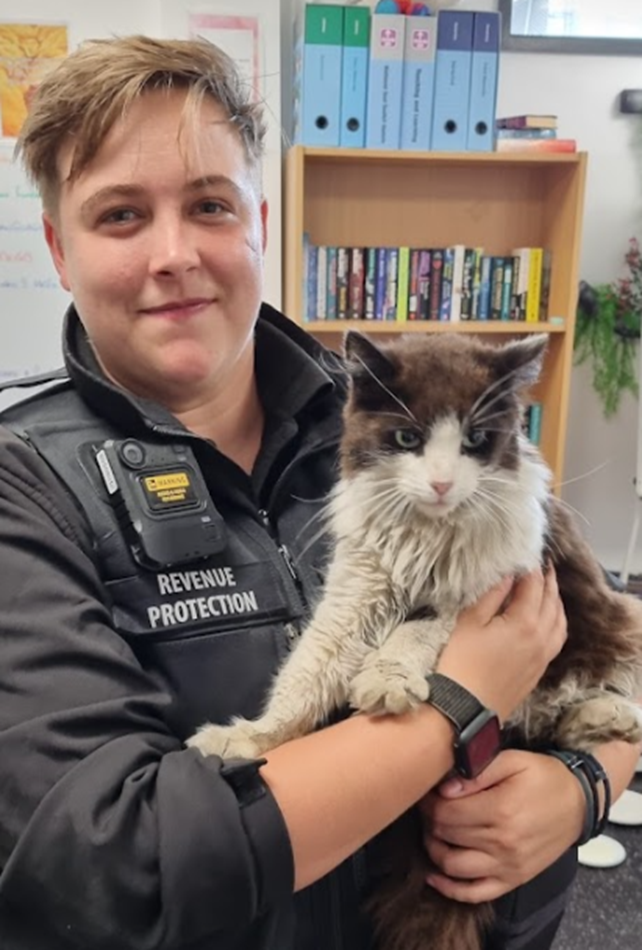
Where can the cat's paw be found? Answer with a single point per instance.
(387, 688)
(238, 740)
(600, 719)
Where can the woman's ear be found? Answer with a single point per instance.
(54, 243)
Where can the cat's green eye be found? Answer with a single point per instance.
(407, 439)
(474, 438)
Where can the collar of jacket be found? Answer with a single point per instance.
(293, 370)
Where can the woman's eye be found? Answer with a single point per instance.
(407, 439)
(212, 207)
(474, 438)
(120, 216)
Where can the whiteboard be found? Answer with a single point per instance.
(32, 303)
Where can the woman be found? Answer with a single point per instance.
(151, 511)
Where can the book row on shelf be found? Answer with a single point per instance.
(532, 422)
(533, 133)
(445, 284)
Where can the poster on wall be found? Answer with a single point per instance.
(238, 36)
(28, 51)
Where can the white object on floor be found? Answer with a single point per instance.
(627, 810)
(601, 852)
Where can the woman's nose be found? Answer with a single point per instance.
(173, 250)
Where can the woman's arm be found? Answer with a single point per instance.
(489, 835)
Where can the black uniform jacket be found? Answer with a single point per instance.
(113, 835)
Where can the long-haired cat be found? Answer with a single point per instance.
(440, 496)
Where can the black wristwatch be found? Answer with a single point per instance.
(478, 733)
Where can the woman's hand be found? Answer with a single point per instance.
(488, 835)
(500, 657)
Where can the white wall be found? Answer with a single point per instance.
(582, 91)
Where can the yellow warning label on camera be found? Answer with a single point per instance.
(158, 483)
(169, 490)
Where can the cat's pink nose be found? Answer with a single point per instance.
(441, 488)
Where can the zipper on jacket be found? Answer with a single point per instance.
(289, 563)
(293, 632)
(284, 552)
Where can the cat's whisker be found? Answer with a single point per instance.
(489, 389)
(483, 412)
(312, 501)
(399, 401)
(384, 500)
(391, 496)
(335, 508)
(501, 505)
(491, 513)
(569, 507)
(494, 490)
(492, 428)
(323, 512)
(479, 412)
(488, 478)
(395, 415)
(313, 540)
(488, 494)
(483, 510)
(483, 419)
(484, 416)
(381, 498)
(482, 404)
(555, 546)
(579, 478)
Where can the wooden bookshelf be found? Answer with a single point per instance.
(498, 201)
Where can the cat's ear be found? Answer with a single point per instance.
(520, 362)
(363, 357)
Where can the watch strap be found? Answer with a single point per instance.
(453, 700)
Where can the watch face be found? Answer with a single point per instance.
(479, 743)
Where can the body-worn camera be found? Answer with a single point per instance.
(161, 501)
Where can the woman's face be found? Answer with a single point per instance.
(160, 241)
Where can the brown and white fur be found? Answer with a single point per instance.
(441, 495)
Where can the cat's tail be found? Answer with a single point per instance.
(406, 913)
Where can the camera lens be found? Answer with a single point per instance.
(132, 453)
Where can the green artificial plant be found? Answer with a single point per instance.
(607, 332)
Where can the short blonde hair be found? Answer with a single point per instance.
(94, 86)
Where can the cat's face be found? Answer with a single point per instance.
(437, 417)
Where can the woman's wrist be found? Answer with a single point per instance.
(596, 789)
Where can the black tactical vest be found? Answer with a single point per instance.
(214, 628)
